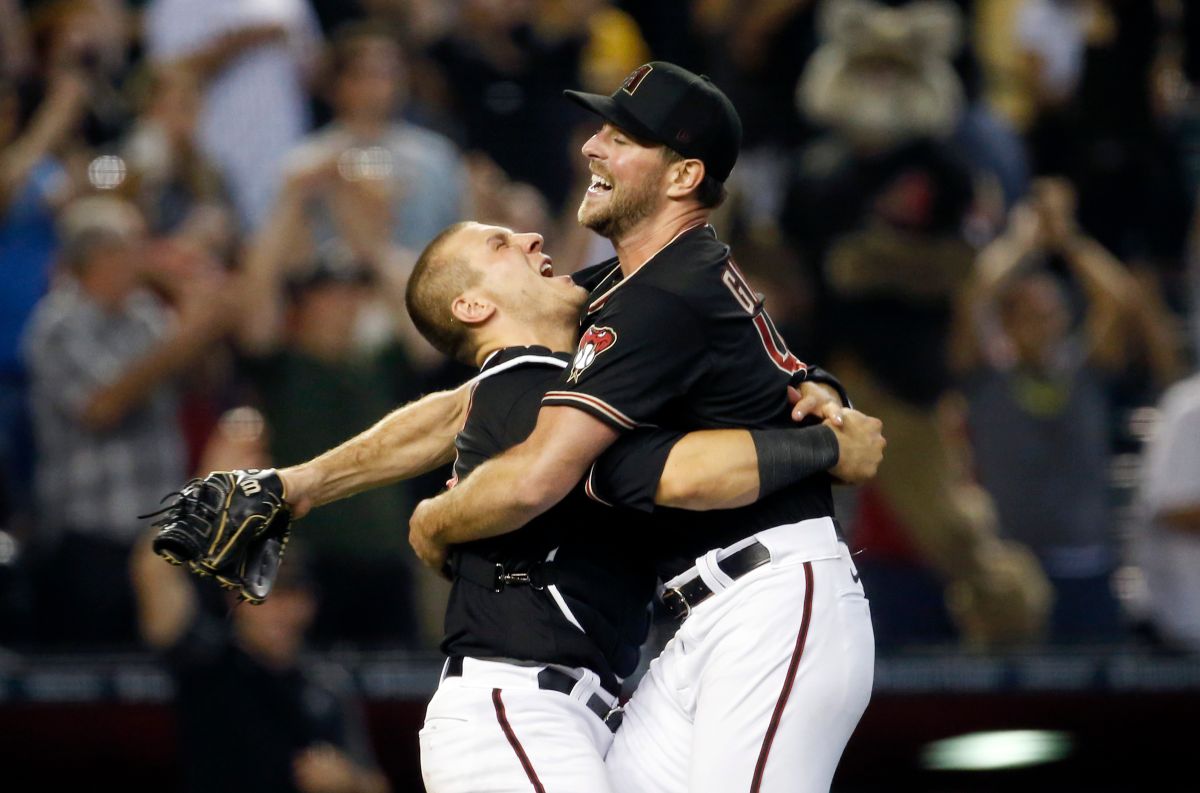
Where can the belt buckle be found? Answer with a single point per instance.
(687, 609)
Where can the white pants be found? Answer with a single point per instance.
(762, 684)
(492, 730)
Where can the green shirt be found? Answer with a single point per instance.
(313, 405)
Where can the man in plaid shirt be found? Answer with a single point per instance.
(101, 353)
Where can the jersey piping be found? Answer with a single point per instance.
(593, 405)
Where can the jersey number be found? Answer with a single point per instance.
(767, 333)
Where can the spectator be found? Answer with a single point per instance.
(420, 170)
(178, 190)
(250, 717)
(16, 56)
(506, 74)
(1056, 318)
(102, 353)
(89, 37)
(1053, 35)
(253, 58)
(879, 209)
(33, 184)
(317, 386)
(1167, 543)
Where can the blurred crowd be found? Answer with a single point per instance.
(979, 213)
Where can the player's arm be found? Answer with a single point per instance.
(409, 441)
(724, 469)
(508, 491)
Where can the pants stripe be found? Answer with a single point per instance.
(516, 744)
(806, 618)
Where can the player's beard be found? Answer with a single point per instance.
(627, 206)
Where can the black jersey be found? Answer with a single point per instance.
(685, 343)
(592, 608)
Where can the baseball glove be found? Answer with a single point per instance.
(231, 525)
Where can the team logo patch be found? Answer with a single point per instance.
(595, 341)
(635, 78)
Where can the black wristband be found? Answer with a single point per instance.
(785, 456)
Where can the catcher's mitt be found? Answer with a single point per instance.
(231, 525)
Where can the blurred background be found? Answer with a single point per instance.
(981, 214)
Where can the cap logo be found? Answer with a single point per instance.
(635, 78)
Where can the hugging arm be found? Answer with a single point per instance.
(724, 469)
(409, 441)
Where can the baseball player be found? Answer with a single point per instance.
(560, 606)
(772, 665)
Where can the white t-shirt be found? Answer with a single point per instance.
(1170, 558)
(257, 108)
(1055, 31)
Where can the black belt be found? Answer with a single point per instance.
(496, 576)
(551, 679)
(680, 600)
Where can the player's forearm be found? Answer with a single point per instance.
(710, 469)
(725, 469)
(500, 496)
(409, 441)
(508, 491)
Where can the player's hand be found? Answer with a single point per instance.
(860, 446)
(431, 551)
(816, 399)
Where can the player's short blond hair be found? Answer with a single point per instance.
(436, 280)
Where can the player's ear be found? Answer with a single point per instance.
(472, 308)
(683, 177)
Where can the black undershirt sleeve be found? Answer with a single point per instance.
(627, 474)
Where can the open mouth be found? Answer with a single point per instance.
(547, 269)
(599, 185)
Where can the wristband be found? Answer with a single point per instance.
(785, 456)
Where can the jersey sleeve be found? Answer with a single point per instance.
(627, 474)
(645, 349)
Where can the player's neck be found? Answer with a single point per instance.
(647, 238)
(556, 337)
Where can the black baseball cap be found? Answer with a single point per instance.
(667, 104)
